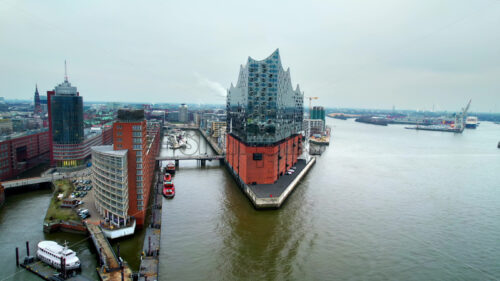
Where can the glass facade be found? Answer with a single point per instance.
(67, 119)
(263, 108)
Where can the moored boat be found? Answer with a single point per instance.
(169, 190)
(167, 177)
(52, 253)
(471, 122)
(170, 168)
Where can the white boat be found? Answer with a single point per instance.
(471, 122)
(50, 253)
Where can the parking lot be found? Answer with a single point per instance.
(84, 192)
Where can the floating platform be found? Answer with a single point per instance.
(47, 272)
(272, 196)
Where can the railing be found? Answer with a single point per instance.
(192, 157)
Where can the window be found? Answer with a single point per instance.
(119, 127)
(139, 178)
(137, 127)
(137, 140)
(137, 134)
(139, 159)
(119, 139)
(139, 166)
(138, 153)
(119, 133)
(139, 196)
(257, 156)
(139, 172)
(137, 147)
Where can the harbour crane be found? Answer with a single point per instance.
(310, 108)
(460, 117)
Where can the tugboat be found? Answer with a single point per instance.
(168, 189)
(170, 168)
(50, 253)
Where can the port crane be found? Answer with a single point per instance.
(460, 117)
(310, 107)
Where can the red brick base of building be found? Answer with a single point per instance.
(262, 164)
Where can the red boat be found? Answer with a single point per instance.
(167, 177)
(170, 168)
(169, 190)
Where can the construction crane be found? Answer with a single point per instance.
(310, 108)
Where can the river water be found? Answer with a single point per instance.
(382, 203)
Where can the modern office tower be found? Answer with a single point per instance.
(183, 113)
(70, 143)
(136, 142)
(264, 120)
(38, 106)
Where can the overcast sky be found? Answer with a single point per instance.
(364, 54)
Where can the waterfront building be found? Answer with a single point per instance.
(264, 121)
(183, 113)
(38, 106)
(318, 112)
(136, 142)
(22, 151)
(216, 128)
(110, 181)
(313, 126)
(70, 142)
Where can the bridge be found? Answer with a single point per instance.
(30, 181)
(191, 157)
(112, 267)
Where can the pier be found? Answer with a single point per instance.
(151, 248)
(112, 267)
(269, 196)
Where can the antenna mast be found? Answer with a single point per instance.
(65, 72)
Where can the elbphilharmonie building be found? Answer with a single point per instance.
(264, 121)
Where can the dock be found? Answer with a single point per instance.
(150, 256)
(269, 196)
(111, 267)
(47, 272)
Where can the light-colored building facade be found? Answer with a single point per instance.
(183, 113)
(110, 181)
(313, 126)
(216, 126)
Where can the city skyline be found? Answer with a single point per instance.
(411, 55)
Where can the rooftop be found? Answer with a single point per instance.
(108, 149)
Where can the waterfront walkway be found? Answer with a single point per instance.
(273, 195)
(111, 266)
(151, 248)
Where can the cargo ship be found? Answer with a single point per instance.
(438, 128)
(372, 120)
